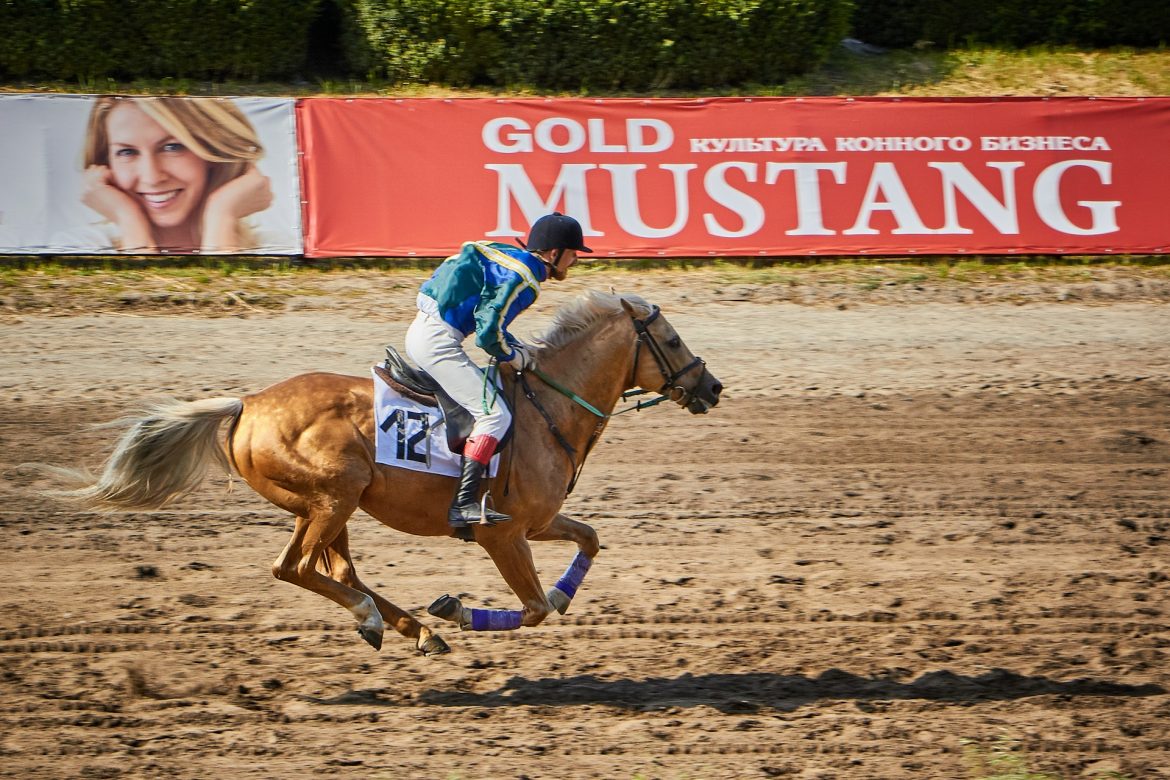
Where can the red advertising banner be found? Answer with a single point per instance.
(739, 176)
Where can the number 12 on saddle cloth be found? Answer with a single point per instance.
(409, 435)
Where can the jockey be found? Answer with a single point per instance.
(481, 290)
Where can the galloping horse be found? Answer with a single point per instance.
(307, 445)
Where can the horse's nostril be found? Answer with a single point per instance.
(717, 388)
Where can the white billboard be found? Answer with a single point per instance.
(84, 174)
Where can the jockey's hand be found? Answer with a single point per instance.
(522, 358)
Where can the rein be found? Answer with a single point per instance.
(637, 407)
(641, 327)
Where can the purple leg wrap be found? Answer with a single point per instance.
(495, 619)
(571, 579)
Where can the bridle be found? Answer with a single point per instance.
(670, 387)
(670, 390)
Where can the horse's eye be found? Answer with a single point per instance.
(674, 343)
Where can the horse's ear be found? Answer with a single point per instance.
(629, 309)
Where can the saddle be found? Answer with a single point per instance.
(420, 387)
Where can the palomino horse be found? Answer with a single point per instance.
(307, 445)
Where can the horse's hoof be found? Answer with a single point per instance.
(433, 645)
(446, 607)
(558, 599)
(371, 636)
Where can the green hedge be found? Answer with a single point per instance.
(948, 23)
(543, 44)
(600, 44)
(89, 39)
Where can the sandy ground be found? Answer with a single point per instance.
(928, 522)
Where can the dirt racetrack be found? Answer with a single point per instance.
(928, 523)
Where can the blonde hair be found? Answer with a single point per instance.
(214, 129)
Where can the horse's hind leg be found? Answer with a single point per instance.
(298, 561)
(338, 564)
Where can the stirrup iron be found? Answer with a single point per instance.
(495, 518)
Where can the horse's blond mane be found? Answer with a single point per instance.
(582, 313)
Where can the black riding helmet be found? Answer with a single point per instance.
(556, 231)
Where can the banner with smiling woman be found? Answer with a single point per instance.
(148, 175)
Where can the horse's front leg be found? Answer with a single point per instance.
(565, 529)
(513, 557)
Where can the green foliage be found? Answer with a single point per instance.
(338, 36)
(97, 39)
(28, 26)
(1005, 759)
(1002, 760)
(598, 45)
(192, 38)
(270, 36)
(394, 33)
(589, 46)
(948, 23)
(71, 38)
(563, 44)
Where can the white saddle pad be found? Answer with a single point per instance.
(408, 435)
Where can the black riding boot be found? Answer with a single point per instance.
(466, 508)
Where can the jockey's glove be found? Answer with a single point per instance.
(522, 357)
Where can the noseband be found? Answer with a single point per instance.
(670, 386)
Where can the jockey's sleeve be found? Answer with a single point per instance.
(490, 318)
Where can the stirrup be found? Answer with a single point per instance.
(487, 516)
(462, 526)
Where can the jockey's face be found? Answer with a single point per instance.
(565, 260)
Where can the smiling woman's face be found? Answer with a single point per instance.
(166, 178)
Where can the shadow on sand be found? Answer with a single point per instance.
(742, 693)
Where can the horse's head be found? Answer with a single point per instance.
(662, 362)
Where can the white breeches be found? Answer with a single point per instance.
(432, 345)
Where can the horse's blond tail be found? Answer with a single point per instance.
(164, 454)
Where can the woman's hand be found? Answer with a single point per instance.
(243, 195)
(99, 193)
(246, 194)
